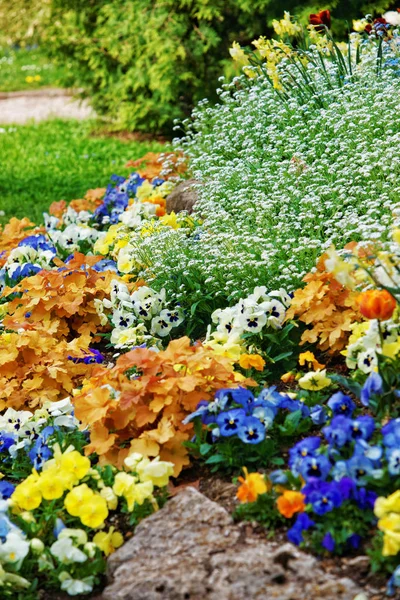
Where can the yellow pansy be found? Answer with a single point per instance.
(387, 505)
(314, 380)
(76, 464)
(78, 497)
(51, 485)
(108, 542)
(94, 513)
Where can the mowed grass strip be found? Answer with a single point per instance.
(58, 160)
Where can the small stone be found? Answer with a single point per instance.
(183, 197)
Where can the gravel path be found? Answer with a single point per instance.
(20, 107)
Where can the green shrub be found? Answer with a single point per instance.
(146, 62)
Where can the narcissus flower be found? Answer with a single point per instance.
(252, 361)
(290, 503)
(252, 485)
(377, 304)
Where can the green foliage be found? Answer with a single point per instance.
(23, 69)
(263, 510)
(146, 62)
(56, 160)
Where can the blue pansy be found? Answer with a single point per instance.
(241, 396)
(315, 466)
(372, 452)
(39, 454)
(337, 433)
(340, 404)
(328, 542)
(393, 458)
(6, 440)
(373, 385)
(393, 582)
(302, 523)
(391, 433)
(252, 431)
(362, 428)
(365, 498)
(271, 395)
(106, 264)
(299, 451)
(38, 242)
(6, 489)
(293, 405)
(157, 181)
(278, 477)
(26, 270)
(318, 414)
(230, 421)
(201, 411)
(324, 496)
(360, 469)
(58, 527)
(265, 414)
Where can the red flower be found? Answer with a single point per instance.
(377, 25)
(321, 20)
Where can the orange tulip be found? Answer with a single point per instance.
(253, 484)
(377, 304)
(290, 503)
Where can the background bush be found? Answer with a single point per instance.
(145, 62)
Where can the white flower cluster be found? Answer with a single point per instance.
(74, 237)
(138, 318)
(281, 182)
(250, 315)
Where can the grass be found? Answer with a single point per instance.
(58, 160)
(27, 69)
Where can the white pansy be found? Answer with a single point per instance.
(75, 587)
(65, 551)
(14, 549)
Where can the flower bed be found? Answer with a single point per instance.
(124, 359)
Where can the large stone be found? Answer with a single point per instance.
(183, 197)
(192, 550)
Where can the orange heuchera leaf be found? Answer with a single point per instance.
(15, 231)
(151, 164)
(327, 307)
(57, 208)
(146, 395)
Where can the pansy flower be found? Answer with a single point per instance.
(322, 495)
(302, 523)
(361, 469)
(252, 431)
(301, 450)
(373, 385)
(362, 428)
(340, 404)
(315, 466)
(338, 432)
(230, 421)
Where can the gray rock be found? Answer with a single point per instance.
(192, 550)
(183, 197)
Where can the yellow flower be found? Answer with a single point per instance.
(314, 380)
(93, 513)
(29, 79)
(51, 485)
(359, 25)
(170, 220)
(27, 495)
(76, 464)
(390, 525)
(123, 483)
(77, 498)
(309, 359)
(387, 505)
(157, 471)
(255, 361)
(138, 494)
(144, 191)
(238, 54)
(286, 26)
(109, 496)
(252, 485)
(108, 542)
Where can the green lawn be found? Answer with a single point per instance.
(27, 70)
(58, 160)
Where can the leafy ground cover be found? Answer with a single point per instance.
(28, 69)
(122, 363)
(57, 159)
